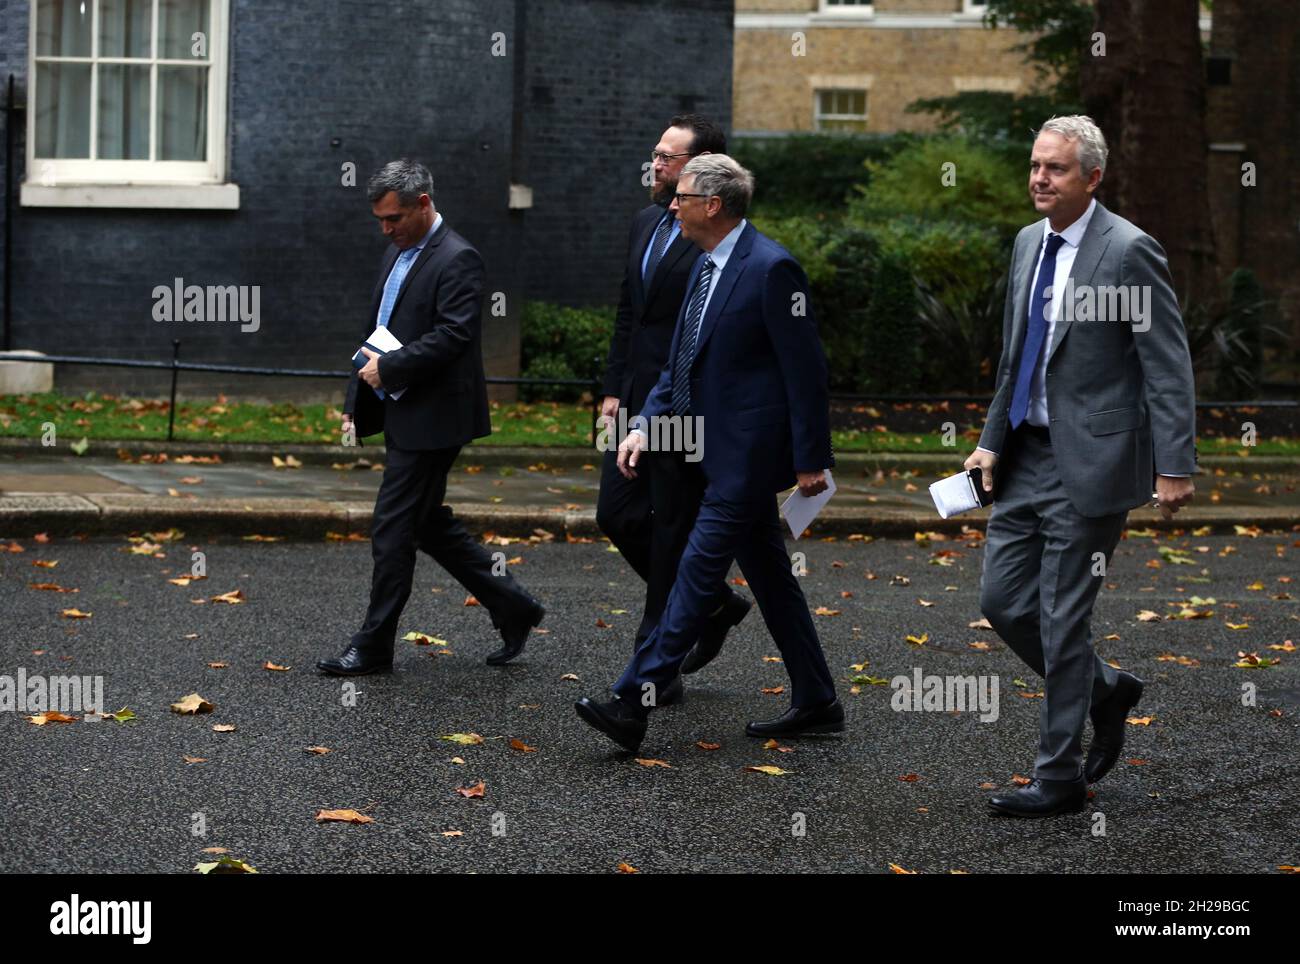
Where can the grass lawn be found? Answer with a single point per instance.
(568, 424)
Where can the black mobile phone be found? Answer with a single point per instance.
(977, 479)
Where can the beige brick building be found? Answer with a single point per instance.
(806, 65)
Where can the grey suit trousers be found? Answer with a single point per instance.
(1043, 566)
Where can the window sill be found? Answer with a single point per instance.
(212, 197)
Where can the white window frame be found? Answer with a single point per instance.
(826, 8)
(94, 182)
(974, 9)
(818, 116)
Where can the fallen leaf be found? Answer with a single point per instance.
(769, 770)
(773, 690)
(50, 716)
(275, 666)
(899, 870)
(464, 739)
(708, 746)
(453, 833)
(910, 777)
(223, 728)
(194, 759)
(980, 623)
(75, 614)
(627, 869)
(226, 865)
(919, 640)
(477, 790)
(1140, 720)
(194, 703)
(342, 816)
(521, 746)
(318, 750)
(654, 763)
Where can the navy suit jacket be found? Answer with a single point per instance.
(759, 378)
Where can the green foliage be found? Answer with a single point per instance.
(892, 345)
(993, 116)
(811, 173)
(560, 342)
(1226, 337)
(983, 186)
(1061, 36)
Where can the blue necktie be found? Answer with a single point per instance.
(658, 245)
(1037, 333)
(690, 336)
(391, 288)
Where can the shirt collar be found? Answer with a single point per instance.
(722, 252)
(437, 220)
(1073, 235)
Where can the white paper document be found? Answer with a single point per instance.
(381, 340)
(954, 495)
(799, 510)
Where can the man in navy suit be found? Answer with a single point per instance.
(649, 516)
(746, 362)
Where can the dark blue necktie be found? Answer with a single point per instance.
(1037, 333)
(690, 336)
(658, 245)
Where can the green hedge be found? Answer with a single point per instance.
(559, 342)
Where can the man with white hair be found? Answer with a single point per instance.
(1094, 407)
(746, 362)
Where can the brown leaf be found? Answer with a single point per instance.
(49, 587)
(910, 777)
(342, 816)
(654, 763)
(50, 716)
(194, 759)
(477, 790)
(521, 746)
(318, 750)
(1140, 720)
(471, 601)
(1020, 781)
(234, 597)
(223, 728)
(275, 666)
(625, 868)
(773, 690)
(708, 746)
(899, 870)
(75, 614)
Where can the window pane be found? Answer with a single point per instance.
(178, 21)
(63, 28)
(62, 110)
(183, 113)
(123, 112)
(124, 27)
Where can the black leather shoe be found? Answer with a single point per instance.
(1108, 727)
(355, 662)
(827, 718)
(618, 721)
(673, 692)
(715, 631)
(514, 633)
(1043, 798)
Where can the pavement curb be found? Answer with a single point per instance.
(25, 514)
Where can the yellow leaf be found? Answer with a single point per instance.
(625, 868)
(1140, 720)
(275, 666)
(234, 597)
(75, 614)
(769, 770)
(919, 640)
(464, 739)
(899, 870)
(194, 703)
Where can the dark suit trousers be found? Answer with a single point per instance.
(1041, 576)
(751, 535)
(410, 515)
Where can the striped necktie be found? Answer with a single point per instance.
(658, 246)
(690, 336)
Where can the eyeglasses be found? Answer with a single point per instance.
(656, 156)
(679, 195)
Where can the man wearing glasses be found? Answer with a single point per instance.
(745, 359)
(659, 262)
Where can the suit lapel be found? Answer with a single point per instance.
(642, 242)
(725, 284)
(1023, 271)
(676, 251)
(1091, 247)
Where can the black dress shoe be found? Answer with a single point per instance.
(672, 693)
(715, 631)
(620, 722)
(1043, 798)
(1108, 727)
(355, 662)
(514, 633)
(827, 718)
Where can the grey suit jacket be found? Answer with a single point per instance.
(1120, 393)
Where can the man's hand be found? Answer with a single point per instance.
(629, 453)
(370, 372)
(1172, 494)
(609, 409)
(986, 462)
(811, 483)
(347, 424)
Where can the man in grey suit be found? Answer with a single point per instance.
(1094, 406)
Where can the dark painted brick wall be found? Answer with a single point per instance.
(418, 78)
